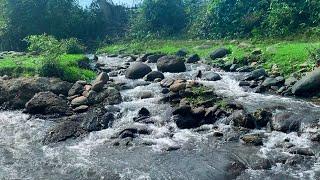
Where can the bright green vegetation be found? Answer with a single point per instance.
(289, 56)
(28, 65)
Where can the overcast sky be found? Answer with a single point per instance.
(127, 2)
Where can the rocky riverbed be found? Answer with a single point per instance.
(157, 117)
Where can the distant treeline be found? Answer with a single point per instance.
(105, 22)
(60, 18)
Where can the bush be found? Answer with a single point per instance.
(72, 46)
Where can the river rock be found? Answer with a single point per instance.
(290, 81)
(219, 53)
(154, 58)
(252, 138)
(241, 118)
(193, 58)
(76, 89)
(177, 86)
(309, 85)
(256, 74)
(62, 131)
(82, 100)
(47, 103)
(301, 151)
(285, 122)
(81, 109)
(211, 76)
(16, 92)
(102, 77)
(137, 70)
(262, 117)
(233, 67)
(97, 86)
(154, 75)
(181, 52)
(166, 83)
(171, 64)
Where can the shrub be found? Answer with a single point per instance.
(72, 46)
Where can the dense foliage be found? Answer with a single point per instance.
(228, 18)
(60, 18)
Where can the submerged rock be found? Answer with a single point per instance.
(137, 70)
(171, 64)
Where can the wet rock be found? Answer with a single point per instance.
(290, 81)
(97, 120)
(154, 75)
(285, 122)
(177, 86)
(182, 110)
(235, 168)
(16, 92)
(186, 121)
(261, 164)
(98, 86)
(244, 69)
(61, 132)
(181, 53)
(143, 112)
(137, 70)
(126, 134)
(145, 94)
(211, 76)
(102, 77)
(241, 118)
(244, 83)
(234, 67)
(198, 112)
(47, 103)
(256, 74)
(262, 117)
(302, 151)
(79, 101)
(309, 85)
(154, 58)
(167, 82)
(315, 137)
(253, 139)
(165, 91)
(193, 58)
(81, 109)
(219, 53)
(76, 89)
(171, 64)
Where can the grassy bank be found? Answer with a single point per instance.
(28, 65)
(289, 56)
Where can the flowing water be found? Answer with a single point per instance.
(197, 155)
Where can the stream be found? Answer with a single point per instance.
(168, 152)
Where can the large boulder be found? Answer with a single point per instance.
(154, 58)
(154, 75)
(77, 88)
(47, 103)
(137, 70)
(219, 53)
(95, 119)
(170, 64)
(15, 93)
(309, 85)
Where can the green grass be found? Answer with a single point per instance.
(287, 55)
(30, 66)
